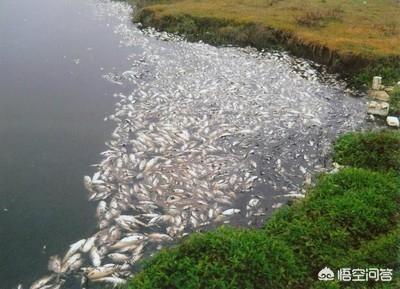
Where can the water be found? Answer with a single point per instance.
(55, 61)
(51, 128)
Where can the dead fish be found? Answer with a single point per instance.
(231, 212)
(131, 219)
(151, 163)
(42, 281)
(157, 237)
(277, 205)
(87, 181)
(254, 202)
(73, 248)
(89, 244)
(171, 167)
(54, 264)
(76, 265)
(112, 280)
(65, 265)
(58, 285)
(294, 195)
(101, 209)
(118, 257)
(95, 257)
(100, 272)
(128, 241)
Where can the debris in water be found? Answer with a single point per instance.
(190, 140)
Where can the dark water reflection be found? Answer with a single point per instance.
(52, 103)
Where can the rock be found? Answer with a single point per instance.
(393, 121)
(376, 82)
(370, 117)
(337, 166)
(389, 88)
(378, 108)
(379, 95)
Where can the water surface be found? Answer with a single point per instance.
(52, 104)
(273, 115)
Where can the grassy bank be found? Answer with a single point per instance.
(357, 38)
(395, 101)
(348, 219)
(371, 150)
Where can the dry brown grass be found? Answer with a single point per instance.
(368, 28)
(319, 18)
(390, 28)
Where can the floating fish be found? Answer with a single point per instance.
(203, 132)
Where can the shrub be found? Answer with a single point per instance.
(371, 150)
(379, 251)
(342, 220)
(395, 102)
(347, 219)
(227, 258)
(388, 68)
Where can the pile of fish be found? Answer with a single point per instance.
(203, 135)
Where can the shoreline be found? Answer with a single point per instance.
(355, 68)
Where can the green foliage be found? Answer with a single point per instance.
(227, 258)
(395, 101)
(348, 220)
(371, 150)
(388, 69)
(344, 213)
(381, 250)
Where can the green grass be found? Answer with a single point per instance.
(358, 38)
(342, 220)
(227, 258)
(387, 68)
(371, 150)
(349, 219)
(395, 102)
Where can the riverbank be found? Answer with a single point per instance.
(354, 38)
(349, 219)
(201, 136)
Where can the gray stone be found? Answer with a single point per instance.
(378, 108)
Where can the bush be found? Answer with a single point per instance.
(350, 219)
(395, 102)
(343, 218)
(227, 258)
(371, 150)
(388, 68)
